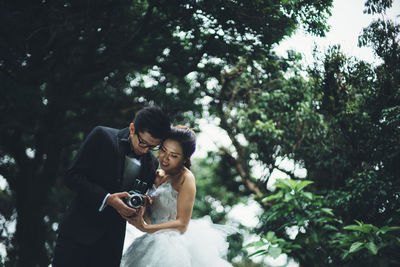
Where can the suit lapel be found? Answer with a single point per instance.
(122, 134)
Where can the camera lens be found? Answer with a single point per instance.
(136, 201)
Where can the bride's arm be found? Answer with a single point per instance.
(146, 215)
(160, 175)
(185, 203)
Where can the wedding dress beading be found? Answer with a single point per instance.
(202, 245)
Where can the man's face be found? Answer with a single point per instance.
(142, 142)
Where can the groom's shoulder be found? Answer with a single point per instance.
(104, 131)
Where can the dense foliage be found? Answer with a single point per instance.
(348, 123)
(66, 66)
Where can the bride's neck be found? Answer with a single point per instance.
(175, 175)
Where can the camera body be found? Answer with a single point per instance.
(136, 200)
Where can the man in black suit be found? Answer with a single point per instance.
(105, 168)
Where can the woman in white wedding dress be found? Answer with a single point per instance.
(171, 238)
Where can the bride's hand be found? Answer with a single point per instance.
(148, 201)
(137, 220)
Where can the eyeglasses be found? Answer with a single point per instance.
(144, 144)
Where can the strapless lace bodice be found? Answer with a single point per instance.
(201, 245)
(163, 208)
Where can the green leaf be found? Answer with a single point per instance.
(308, 195)
(331, 227)
(257, 244)
(291, 183)
(270, 235)
(273, 197)
(359, 223)
(383, 230)
(274, 252)
(300, 185)
(288, 197)
(345, 255)
(372, 248)
(278, 240)
(285, 184)
(327, 211)
(356, 246)
(296, 246)
(358, 228)
(373, 227)
(259, 252)
(394, 228)
(352, 227)
(386, 229)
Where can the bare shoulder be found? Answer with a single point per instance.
(189, 181)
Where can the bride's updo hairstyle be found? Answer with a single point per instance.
(187, 139)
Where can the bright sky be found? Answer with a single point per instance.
(347, 22)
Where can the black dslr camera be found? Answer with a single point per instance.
(136, 200)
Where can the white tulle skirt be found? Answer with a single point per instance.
(202, 245)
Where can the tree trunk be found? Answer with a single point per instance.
(31, 230)
(32, 195)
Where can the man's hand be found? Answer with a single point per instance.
(115, 201)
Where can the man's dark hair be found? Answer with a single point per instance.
(154, 121)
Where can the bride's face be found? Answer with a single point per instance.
(170, 156)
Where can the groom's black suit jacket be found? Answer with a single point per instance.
(96, 171)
